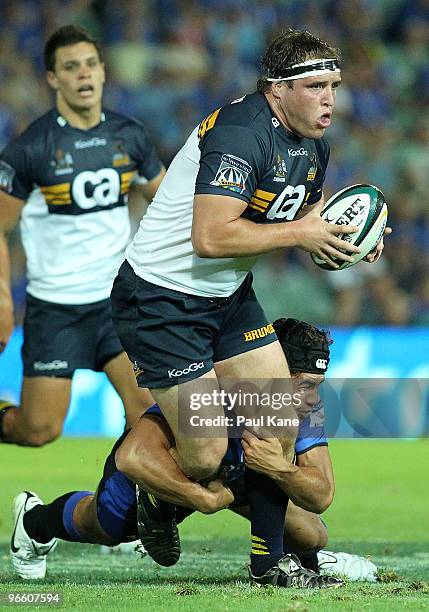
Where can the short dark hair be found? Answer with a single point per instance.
(65, 36)
(289, 48)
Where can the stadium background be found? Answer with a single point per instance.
(171, 62)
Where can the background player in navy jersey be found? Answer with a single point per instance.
(67, 179)
(248, 180)
(110, 515)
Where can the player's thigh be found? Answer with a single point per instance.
(195, 420)
(44, 402)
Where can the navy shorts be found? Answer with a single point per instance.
(60, 338)
(173, 337)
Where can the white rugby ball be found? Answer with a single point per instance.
(363, 206)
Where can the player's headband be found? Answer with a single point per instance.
(312, 67)
(301, 356)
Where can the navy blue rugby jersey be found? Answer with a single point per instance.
(241, 150)
(75, 222)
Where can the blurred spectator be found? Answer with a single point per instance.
(172, 62)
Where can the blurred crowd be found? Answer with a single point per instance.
(171, 62)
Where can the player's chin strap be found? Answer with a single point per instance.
(301, 356)
(312, 67)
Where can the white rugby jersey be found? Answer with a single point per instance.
(75, 222)
(242, 151)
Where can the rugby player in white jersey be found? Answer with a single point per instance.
(67, 179)
(248, 180)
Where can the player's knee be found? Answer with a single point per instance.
(39, 436)
(205, 462)
(318, 536)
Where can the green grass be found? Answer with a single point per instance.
(380, 509)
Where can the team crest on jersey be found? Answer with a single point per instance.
(280, 170)
(232, 174)
(313, 168)
(6, 176)
(120, 156)
(62, 163)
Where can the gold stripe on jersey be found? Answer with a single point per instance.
(259, 202)
(267, 196)
(208, 123)
(126, 178)
(57, 195)
(259, 208)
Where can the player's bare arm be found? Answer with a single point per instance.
(10, 210)
(155, 471)
(142, 193)
(218, 230)
(309, 483)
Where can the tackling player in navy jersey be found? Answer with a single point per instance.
(67, 180)
(110, 515)
(248, 180)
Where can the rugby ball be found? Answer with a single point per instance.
(361, 205)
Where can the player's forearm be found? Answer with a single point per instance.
(4, 266)
(305, 486)
(155, 471)
(244, 238)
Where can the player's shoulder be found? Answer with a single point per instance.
(120, 120)
(251, 111)
(35, 132)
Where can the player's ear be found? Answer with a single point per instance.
(276, 88)
(52, 80)
(103, 68)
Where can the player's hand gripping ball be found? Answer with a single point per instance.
(361, 205)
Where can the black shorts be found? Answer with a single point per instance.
(60, 338)
(173, 337)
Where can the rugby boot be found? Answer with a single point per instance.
(288, 572)
(352, 567)
(28, 556)
(160, 539)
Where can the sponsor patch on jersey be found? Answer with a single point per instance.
(62, 162)
(120, 156)
(7, 174)
(92, 142)
(232, 173)
(313, 168)
(280, 170)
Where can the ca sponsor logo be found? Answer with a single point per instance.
(261, 332)
(96, 188)
(275, 122)
(192, 367)
(321, 364)
(295, 152)
(57, 364)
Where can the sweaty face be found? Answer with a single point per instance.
(307, 385)
(78, 76)
(306, 108)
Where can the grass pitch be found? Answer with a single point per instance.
(380, 509)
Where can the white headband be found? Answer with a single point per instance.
(308, 68)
